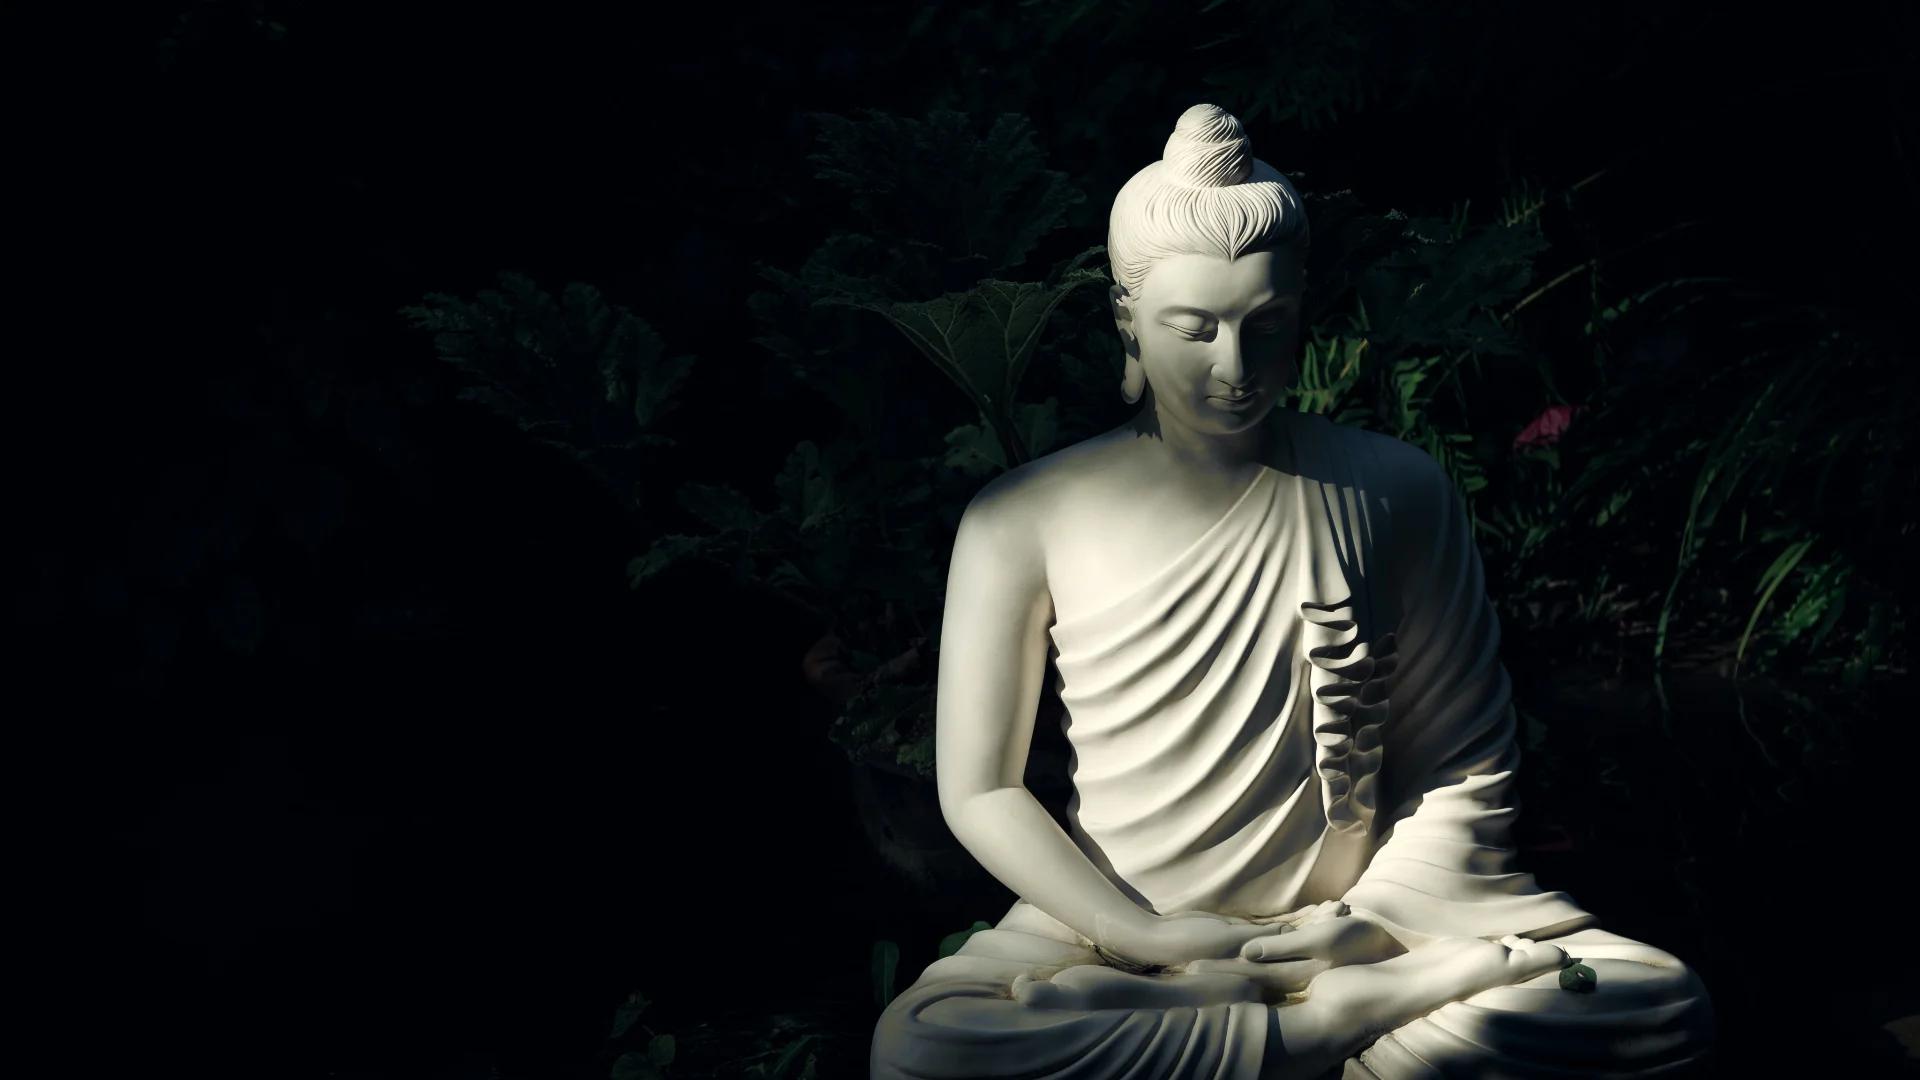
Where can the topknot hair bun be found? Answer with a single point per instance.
(1206, 195)
(1208, 148)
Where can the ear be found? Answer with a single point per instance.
(1122, 307)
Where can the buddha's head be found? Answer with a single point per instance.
(1208, 247)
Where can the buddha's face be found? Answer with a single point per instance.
(1219, 339)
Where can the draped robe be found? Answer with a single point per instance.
(1306, 704)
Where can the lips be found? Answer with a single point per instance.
(1238, 402)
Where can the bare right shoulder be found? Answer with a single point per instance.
(1017, 511)
(1024, 506)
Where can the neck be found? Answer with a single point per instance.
(1204, 453)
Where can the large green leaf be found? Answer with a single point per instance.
(1445, 286)
(982, 338)
(975, 450)
(573, 370)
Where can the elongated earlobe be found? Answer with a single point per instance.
(1134, 382)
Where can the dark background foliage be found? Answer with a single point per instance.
(400, 707)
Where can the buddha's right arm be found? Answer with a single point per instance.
(1019, 843)
(993, 652)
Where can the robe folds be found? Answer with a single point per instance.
(1307, 704)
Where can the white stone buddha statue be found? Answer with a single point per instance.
(1288, 849)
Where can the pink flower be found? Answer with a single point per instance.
(1546, 429)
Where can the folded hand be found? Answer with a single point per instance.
(1169, 940)
(1329, 936)
(1200, 958)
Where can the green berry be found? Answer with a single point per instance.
(1578, 978)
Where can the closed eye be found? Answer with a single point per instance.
(1262, 326)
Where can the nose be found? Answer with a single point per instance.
(1230, 359)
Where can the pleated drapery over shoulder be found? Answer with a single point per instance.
(1321, 655)
(1207, 771)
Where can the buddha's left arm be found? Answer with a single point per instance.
(1447, 799)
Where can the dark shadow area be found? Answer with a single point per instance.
(398, 705)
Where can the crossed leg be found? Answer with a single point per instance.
(1649, 1015)
(1028, 998)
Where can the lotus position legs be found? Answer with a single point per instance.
(1343, 1010)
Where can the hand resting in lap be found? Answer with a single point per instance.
(1204, 958)
(1341, 961)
